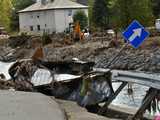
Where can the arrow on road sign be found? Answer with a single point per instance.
(136, 33)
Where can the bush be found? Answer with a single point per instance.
(46, 39)
(81, 17)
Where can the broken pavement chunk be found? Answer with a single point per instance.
(42, 77)
(65, 77)
(64, 80)
(21, 73)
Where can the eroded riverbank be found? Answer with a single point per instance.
(145, 59)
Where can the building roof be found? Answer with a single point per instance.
(84, 2)
(57, 4)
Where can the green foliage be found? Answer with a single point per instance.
(100, 13)
(14, 25)
(90, 11)
(81, 17)
(46, 39)
(5, 13)
(156, 8)
(21, 4)
(128, 10)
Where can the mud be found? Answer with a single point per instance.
(146, 58)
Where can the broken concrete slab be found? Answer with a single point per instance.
(41, 77)
(71, 80)
(29, 106)
(45, 77)
(75, 112)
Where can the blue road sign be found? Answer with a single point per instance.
(135, 34)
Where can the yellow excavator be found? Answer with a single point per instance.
(75, 35)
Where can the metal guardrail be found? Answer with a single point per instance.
(150, 80)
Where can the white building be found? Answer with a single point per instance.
(49, 16)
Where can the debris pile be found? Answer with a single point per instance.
(71, 80)
(6, 85)
(154, 104)
(17, 41)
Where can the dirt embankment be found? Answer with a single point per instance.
(145, 58)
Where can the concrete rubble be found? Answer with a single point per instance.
(69, 80)
(76, 112)
(29, 106)
(146, 58)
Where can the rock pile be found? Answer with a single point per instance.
(131, 59)
(146, 58)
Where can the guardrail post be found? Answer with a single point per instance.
(111, 98)
(149, 98)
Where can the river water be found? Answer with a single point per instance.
(133, 100)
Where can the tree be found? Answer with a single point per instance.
(143, 12)
(90, 11)
(17, 6)
(156, 8)
(81, 17)
(129, 10)
(5, 13)
(21, 4)
(100, 13)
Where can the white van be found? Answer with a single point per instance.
(157, 24)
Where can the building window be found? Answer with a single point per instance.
(38, 27)
(31, 28)
(69, 12)
(45, 25)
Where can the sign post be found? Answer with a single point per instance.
(135, 34)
